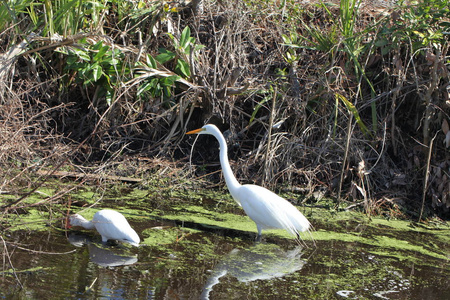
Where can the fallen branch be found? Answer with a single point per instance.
(77, 175)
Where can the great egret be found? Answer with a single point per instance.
(265, 208)
(111, 225)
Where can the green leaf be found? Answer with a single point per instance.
(165, 56)
(62, 50)
(98, 45)
(381, 43)
(419, 33)
(182, 68)
(170, 80)
(100, 53)
(97, 72)
(109, 97)
(143, 88)
(111, 61)
(352, 109)
(167, 91)
(385, 50)
(170, 35)
(71, 61)
(258, 106)
(198, 47)
(185, 37)
(151, 62)
(81, 54)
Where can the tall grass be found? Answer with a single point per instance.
(128, 77)
(395, 44)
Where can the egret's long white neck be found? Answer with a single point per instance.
(78, 220)
(231, 181)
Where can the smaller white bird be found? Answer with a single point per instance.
(111, 225)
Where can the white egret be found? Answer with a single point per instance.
(111, 225)
(265, 208)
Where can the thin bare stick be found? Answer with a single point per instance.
(43, 252)
(427, 175)
(344, 161)
(269, 139)
(10, 263)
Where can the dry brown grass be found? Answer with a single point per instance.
(318, 146)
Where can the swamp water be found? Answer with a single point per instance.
(203, 252)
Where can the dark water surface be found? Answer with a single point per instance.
(60, 264)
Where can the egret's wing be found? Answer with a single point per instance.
(270, 210)
(113, 225)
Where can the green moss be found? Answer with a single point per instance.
(162, 236)
(200, 215)
(215, 210)
(34, 219)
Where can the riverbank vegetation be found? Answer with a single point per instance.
(345, 100)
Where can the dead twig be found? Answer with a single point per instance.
(8, 257)
(427, 176)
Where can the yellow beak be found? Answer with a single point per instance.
(195, 131)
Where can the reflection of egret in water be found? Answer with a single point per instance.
(103, 256)
(260, 262)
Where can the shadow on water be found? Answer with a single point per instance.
(192, 261)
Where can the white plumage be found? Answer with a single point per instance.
(264, 207)
(111, 225)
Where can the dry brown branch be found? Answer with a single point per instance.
(77, 175)
(40, 252)
(8, 258)
(427, 176)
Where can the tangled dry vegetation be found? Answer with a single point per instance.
(331, 99)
